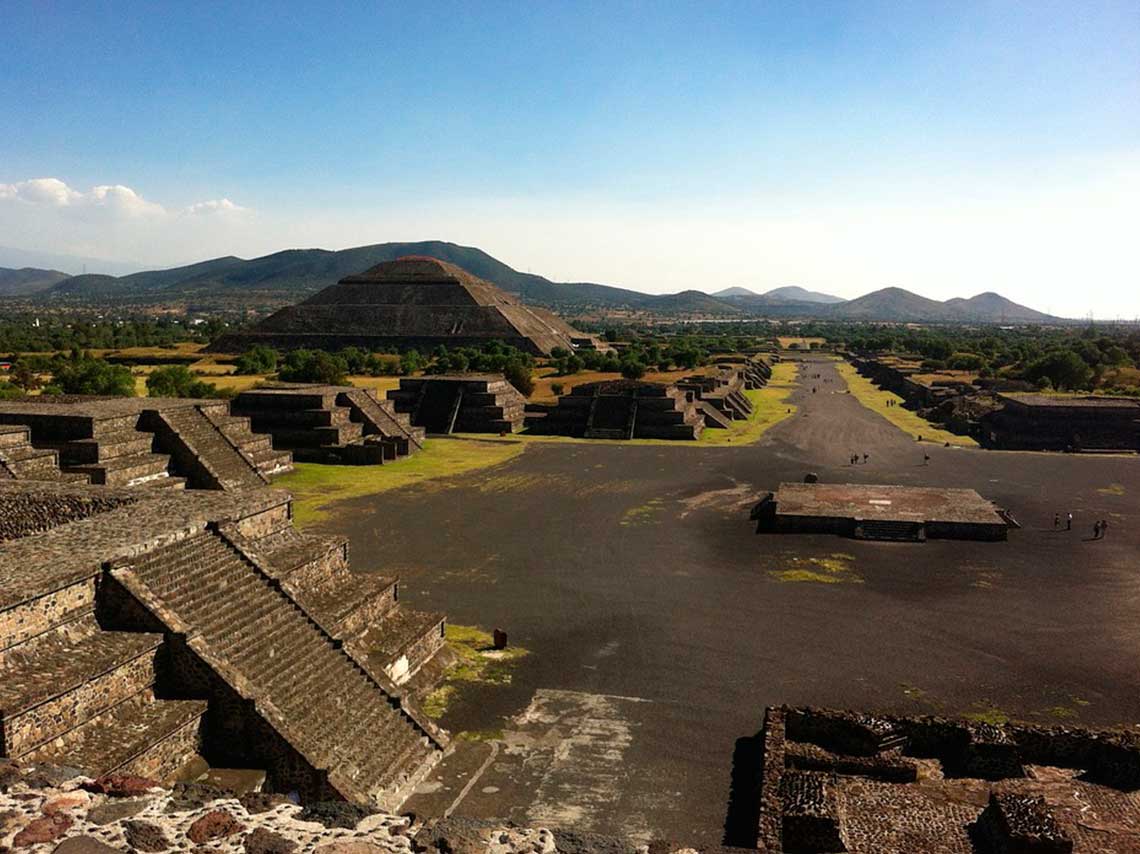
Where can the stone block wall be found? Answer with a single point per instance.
(37, 615)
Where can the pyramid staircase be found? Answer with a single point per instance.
(623, 409)
(243, 624)
(336, 424)
(890, 529)
(464, 403)
(77, 695)
(20, 460)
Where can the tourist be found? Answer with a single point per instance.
(925, 458)
(864, 459)
(1056, 521)
(1103, 528)
(1096, 529)
(1069, 522)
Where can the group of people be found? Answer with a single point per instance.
(1100, 526)
(855, 459)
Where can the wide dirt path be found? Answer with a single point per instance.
(660, 624)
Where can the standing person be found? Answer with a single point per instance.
(1096, 529)
(1056, 521)
(864, 458)
(1103, 528)
(1069, 521)
(926, 462)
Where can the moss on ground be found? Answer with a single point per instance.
(643, 514)
(1112, 489)
(315, 486)
(477, 661)
(985, 714)
(833, 569)
(876, 399)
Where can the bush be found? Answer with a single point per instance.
(557, 388)
(258, 359)
(410, 362)
(82, 374)
(632, 370)
(518, 374)
(177, 381)
(313, 366)
(9, 391)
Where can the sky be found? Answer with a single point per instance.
(947, 148)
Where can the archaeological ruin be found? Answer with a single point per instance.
(466, 403)
(831, 781)
(328, 424)
(412, 302)
(154, 442)
(621, 409)
(879, 512)
(142, 629)
(1039, 422)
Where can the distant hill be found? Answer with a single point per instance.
(794, 293)
(27, 280)
(291, 275)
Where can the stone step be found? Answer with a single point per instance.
(142, 736)
(56, 681)
(14, 435)
(400, 642)
(125, 471)
(124, 444)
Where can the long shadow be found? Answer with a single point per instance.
(742, 817)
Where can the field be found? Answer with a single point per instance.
(876, 399)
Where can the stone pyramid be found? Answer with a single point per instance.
(414, 301)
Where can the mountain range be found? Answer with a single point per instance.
(291, 275)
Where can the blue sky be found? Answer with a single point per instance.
(948, 148)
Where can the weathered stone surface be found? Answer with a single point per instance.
(64, 803)
(41, 830)
(334, 813)
(121, 785)
(350, 846)
(145, 836)
(112, 811)
(84, 845)
(189, 796)
(263, 841)
(259, 802)
(215, 824)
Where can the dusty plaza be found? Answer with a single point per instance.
(659, 624)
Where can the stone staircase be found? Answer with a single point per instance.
(201, 450)
(380, 418)
(257, 449)
(465, 403)
(19, 460)
(889, 529)
(243, 623)
(84, 697)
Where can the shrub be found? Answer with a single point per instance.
(632, 370)
(557, 388)
(313, 366)
(258, 359)
(177, 381)
(82, 374)
(518, 374)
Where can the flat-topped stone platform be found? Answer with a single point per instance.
(876, 511)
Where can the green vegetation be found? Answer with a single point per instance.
(876, 399)
(769, 408)
(258, 359)
(834, 569)
(38, 334)
(987, 714)
(478, 661)
(178, 381)
(315, 486)
(81, 374)
(313, 366)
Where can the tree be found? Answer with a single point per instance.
(177, 381)
(258, 359)
(410, 362)
(518, 374)
(82, 374)
(1064, 369)
(313, 366)
(632, 369)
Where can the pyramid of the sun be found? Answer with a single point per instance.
(412, 302)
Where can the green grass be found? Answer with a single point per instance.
(769, 408)
(315, 487)
(1112, 489)
(834, 569)
(876, 399)
(478, 661)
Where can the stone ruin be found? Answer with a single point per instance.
(329, 424)
(464, 403)
(153, 442)
(412, 302)
(1039, 422)
(145, 630)
(720, 397)
(831, 781)
(621, 409)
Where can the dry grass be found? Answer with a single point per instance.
(544, 393)
(876, 399)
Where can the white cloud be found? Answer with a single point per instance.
(105, 199)
(215, 206)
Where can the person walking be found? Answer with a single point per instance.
(864, 459)
(1096, 529)
(926, 459)
(1056, 521)
(1069, 522)
(1103, 528)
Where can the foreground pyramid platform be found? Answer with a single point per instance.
(144, 630)
(410, 303)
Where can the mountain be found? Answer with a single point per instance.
(794, 293)
(294, 274)
(70, 264)
(995, 307)
(27, 280)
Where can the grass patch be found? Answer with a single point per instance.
(315, 486)
(876, 399)
(1112, 489)
(769, 407)
(478, 661)
(987, 715)
(833, 569)
(643, 514)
